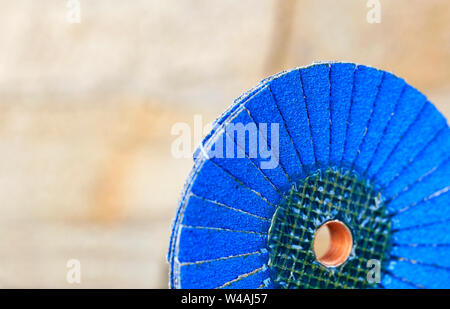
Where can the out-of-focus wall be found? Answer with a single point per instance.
(86, 111)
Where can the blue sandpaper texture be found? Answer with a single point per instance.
(328, 115)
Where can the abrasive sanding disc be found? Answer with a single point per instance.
(340, 145)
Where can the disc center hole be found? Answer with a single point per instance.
(332, 243)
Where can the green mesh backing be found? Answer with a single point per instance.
(323, 196)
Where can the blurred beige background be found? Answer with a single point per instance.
(86, 111)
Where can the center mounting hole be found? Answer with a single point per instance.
(332, 243)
